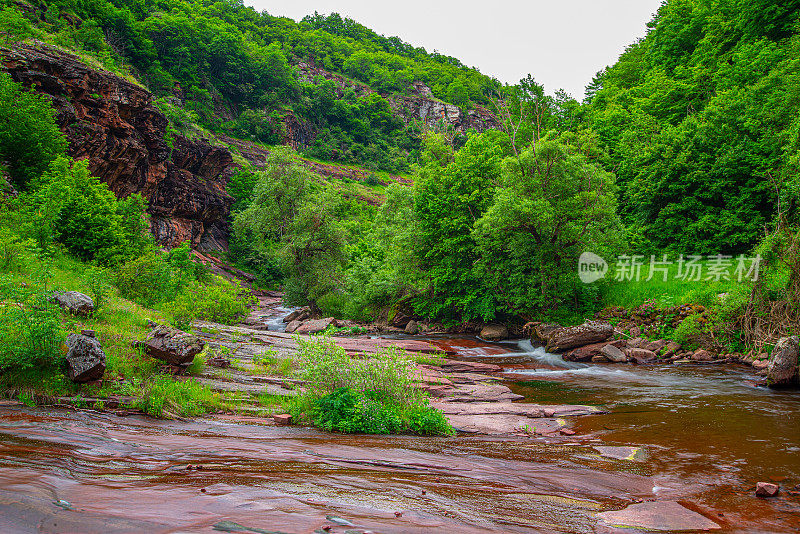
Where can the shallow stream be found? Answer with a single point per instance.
(701, 435)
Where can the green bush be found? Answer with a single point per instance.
(353, 412)
(373, 396)
(29, 137)
(388, 375)
(76, 209)
(221, 302)
(157, 277)
(31, 335)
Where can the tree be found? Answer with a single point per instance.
(551, 204)
(290, 217)
(29, 136)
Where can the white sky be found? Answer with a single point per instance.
(562, 43)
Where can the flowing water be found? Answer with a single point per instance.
(701, 435)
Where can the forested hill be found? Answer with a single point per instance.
(326, 85)
(700, 121)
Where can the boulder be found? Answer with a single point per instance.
(783, 364)
(671, 349)
(540, 332)
(766, 489)
(172, 345)
(85, 358)
(637, 343)
(293, 326)
(74, 302)
(292, 316)
(315, 326)
(588, 352)
(640, 355)
(614, 353)
(570, 337)
(399, 320)
(494, 332)
(702, 355)
(656, 346)
(412, 328)
(599, 358)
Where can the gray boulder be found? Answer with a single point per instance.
(783, 364)
(570, 337)
(85, 357)
(171, 345)
(74, 302)
(412, 328)
(613, 353)
(494, 332)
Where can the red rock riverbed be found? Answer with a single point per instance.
(694, 441)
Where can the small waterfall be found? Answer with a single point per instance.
(540, 355)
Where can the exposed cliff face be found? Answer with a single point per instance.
(420, 105)
(114, 124)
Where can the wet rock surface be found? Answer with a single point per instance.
(660, 516)
(783, 364)
(86, 360)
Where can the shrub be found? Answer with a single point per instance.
(157, 277)
(31, 335)
(388, 375)
(375, 395)
(223, 302)
(76, 209)
(29, 137)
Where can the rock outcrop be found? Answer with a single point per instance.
(85, 357)
(420, 105)
(113, 123)
(494, 332)
(74, 302)
(783, 364)
(171, 345)
(561, 339)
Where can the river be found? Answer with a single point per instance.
(700, 435)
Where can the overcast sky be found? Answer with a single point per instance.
(562, 43)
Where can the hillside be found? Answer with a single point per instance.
(327, 86)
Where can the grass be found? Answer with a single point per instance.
(672, 292)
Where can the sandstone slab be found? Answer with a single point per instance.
(662, 516)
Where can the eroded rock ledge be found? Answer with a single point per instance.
(112, 122)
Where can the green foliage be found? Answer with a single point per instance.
(163, 396)
(700, 122)
(31, 335)
(14, 26)
(291, 217)
(326, 367)
(29, 137)
(220, 302)
(552, 203)
(212, 55)
(76, 209)
(156, 277)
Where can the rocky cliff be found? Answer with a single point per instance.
(112, 122)
(418, 105)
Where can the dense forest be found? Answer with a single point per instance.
(688, 144)
(235, 70)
